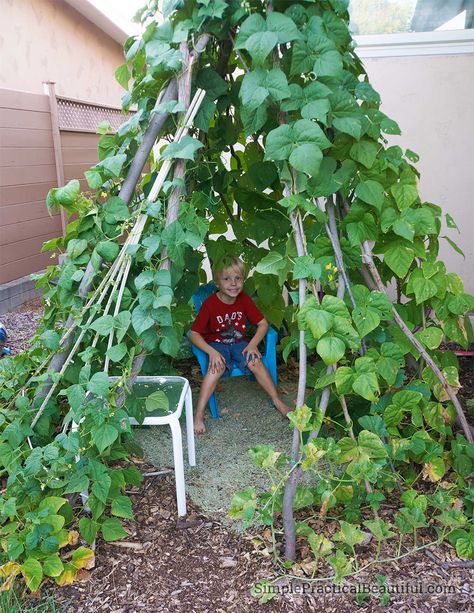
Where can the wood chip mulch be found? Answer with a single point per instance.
(202, 566)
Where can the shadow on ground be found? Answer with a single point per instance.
(247, 418)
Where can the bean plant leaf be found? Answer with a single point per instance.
(331, 349)
(112, 530)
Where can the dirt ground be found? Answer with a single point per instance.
(203, 565)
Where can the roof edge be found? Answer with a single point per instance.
(94, 15)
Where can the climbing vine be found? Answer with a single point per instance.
(266, 126)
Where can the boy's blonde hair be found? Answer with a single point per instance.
(227, 261)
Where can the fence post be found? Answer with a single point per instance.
(58, 154)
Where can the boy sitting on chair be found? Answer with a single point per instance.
(220, 331)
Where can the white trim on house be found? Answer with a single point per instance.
(118, 29)
(439, 42)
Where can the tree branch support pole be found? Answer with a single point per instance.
(295, 477)
(369, 261)
(184, 96)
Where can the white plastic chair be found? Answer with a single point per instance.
(169, 417)
(172, 419)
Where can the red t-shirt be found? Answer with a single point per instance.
(226, 323)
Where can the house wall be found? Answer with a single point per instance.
(47, 40)
(431, 99)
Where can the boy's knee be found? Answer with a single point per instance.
(216, 375)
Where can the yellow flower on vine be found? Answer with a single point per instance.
(328, 266)
(330, 277)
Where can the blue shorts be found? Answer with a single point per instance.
(233, 356)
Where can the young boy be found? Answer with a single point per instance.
(220, 330)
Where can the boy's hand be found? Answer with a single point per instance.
(216, 361)
(251, 353)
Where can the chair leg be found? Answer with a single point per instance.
(178, 467)
(188, 403)
(213, 406)
(273, 372)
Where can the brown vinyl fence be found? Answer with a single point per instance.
(29, 169)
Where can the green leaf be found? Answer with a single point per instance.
(364, 152)
(66, 196)
(141, 320)
(50, 339)
(104, 435)
(405, 195)
(171, 341)
(113, 164)
(366, 320)
(271, 264)
(93, 178)
(366, 385)
(331, 349)
(430, 337)
(112, 530)
(335, 305)
(465, 546)
(260, 44)
(122, 322)
(399, 258)
(99, 384)
(108, 250)
(316, 109)
(319, 322)
(78, 483)
(32, 571)
(253, 120)
(88, 529)
(424, 289)
(76, 247)
(117, 352)
(388, 368)
(306, 158)
(283, 26)
(157, 401)
(185, 149)
(115, 210)
(279, 143)
(371, 192)
(122, 75)
(455, 246)
(349, 534)
(103, 325)
(52, 565)
(344, 379)
(434, 470)
(122, 507)
(300, 418)
(320, 545)
(379, 528)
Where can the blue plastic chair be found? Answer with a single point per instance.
(268, 358)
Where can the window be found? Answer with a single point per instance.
(412, 27)
(390, 16)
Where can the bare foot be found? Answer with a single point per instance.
(199, 427)
(282, 407)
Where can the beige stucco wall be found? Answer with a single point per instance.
(431, 98)
(43, 40)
